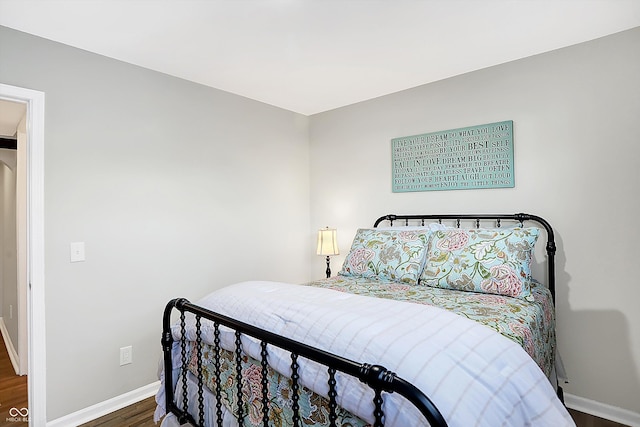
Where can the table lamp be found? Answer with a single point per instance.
(328, 244)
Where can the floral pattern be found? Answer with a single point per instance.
(495, 261)
(530, 324)
(395, 255)
(313, 408)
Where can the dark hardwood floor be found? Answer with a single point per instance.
(586, 420)
(138, 415)
(13, 394)
(142, 415)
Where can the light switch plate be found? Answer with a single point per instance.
(76, 251)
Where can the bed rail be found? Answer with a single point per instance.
(498, 218)
(378, 378)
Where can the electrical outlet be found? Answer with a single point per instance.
(126, 355)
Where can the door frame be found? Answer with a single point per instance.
(35, 102)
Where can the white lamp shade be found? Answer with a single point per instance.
(328, 241)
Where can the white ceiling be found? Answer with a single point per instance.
(310, 56)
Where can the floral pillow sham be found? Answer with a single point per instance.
(393, 255)
(494, 261)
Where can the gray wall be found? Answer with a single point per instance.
(175, 188)
(576, 114)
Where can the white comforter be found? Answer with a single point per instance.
(475, 376)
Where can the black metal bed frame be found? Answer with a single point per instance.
(378, 378)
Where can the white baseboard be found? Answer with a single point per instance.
(108, 406)
(602, 410)
(13, 354)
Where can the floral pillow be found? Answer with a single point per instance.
(394, 255)
(493, 261)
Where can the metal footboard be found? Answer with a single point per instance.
(378, 378)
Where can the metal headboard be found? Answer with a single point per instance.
(479, 218)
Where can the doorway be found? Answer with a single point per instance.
(34, 219)
(13, 233)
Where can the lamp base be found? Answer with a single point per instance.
(328, 269)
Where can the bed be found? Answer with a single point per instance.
(433, 320)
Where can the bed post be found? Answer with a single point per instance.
(550, 248)
(167, 344)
